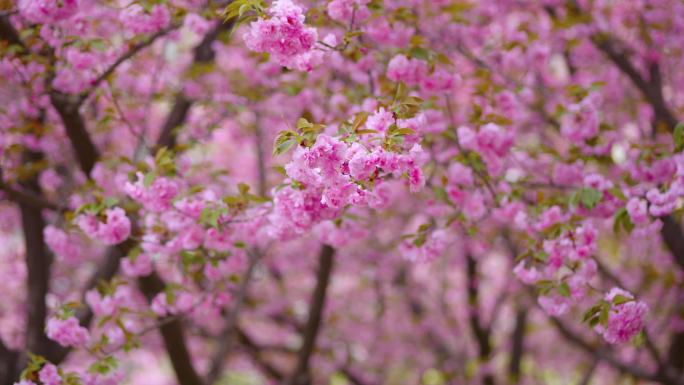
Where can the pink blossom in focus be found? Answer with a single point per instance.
(47, 11)
(625, 320)
(115, 229)
(66, 332)
(409, 71)
(283, 35)
(138, 20)
(49, 376)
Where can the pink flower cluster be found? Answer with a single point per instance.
(66, 332)
(571, 247)
(49, 375)
(343, 10)
(156, 197)
(136, 19)
(491, 141)
(138, 266)
(581, 121)
(416, 72)
(183, 303)
(403, 69)
(106, 305)
(67, 246)
(662, 203)
(382, 32)
(328, 177)
(433, 247)
(284, 36)
(638, 211)
(555, 303)
(625, 319)
(114, 230)
(47, 11)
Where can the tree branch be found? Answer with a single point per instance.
(8, 364)
(603, 354)
(203, 54)
(9, 34)
(481, 332)
(172, 335)
(517, 345)
(226, 339)
(254, 352)
(105, 272)
(301, 375)
(67, 108)
(26, 197)
(132, 51)
(652, 90)
(38, 263)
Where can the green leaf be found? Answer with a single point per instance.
(603, 315)
(541, 256)
(564, 289)
(285, 140)
(440, 194)
(404, 131)
(591, 313)
(590, 197)
(617, 192)
(365, 131)
(170, 294)
(104, 365)
(243, 188)
(284, 147)
(359, 121)
(420, 53)
(544, 286)
(620, 299)
(678, 136)
(622, 221)
(280, 170)
(420, 240)
(149, 178)
(303, 123)
(338, 379)
(639, 339)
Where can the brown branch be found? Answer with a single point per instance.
(352, 377)
(9, 34)
(439, 346)
(172, 335)
(26, 197)
(481, 332)
(651, 90)
(67, 108)
(8, 364)
(203, 54)
(132, 51)
(673, 238)
(105, 272)
(598, 352)
(589, 374)
(605, 355)
(38, 263)
(301, 375)
(518, 345)
(225, 339)
(254, 351)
